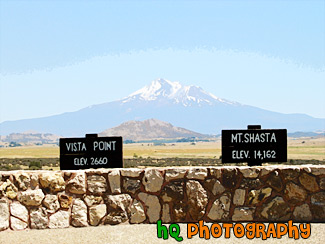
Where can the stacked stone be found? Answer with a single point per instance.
(46, 199)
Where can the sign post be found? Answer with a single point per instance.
(91, 152)
(254, 145)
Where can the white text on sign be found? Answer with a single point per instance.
(253, 137)
(97, 146)
(257, 154)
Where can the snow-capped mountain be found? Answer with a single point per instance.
(188, 107)
(166, 91)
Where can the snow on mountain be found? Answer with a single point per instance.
(168, 91)
(189, 107)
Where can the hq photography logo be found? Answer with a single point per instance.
(238, 230)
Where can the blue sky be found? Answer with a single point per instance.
(60, 56)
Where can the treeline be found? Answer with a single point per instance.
(27, 163)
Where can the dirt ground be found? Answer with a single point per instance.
(141, 233)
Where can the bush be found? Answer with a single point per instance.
(34, 168)
(35, 165)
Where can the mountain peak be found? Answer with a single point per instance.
(158, 87)
(166, 91)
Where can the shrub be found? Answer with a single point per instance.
(35, 165)
(34, 168)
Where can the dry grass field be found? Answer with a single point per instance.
(45, 151)
(171, 150)
(302, 148)
(306, 148)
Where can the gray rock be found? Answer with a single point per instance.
(119, 202)
(34, 181)
(17, 224)
(197, 199)
(22, 180)
(197, 173)
(217, 188)
(152, 180)
(275, 181)
(256, 196)
(295, 193)
(131, 185)
(230, 177)
(179, 211)
(322, 183)
(318, 198)
(318, 170)
(52, 180)
(96, 184)
(309, 182)
(19, 211)
(291, 174)
(239, 197)
(4, 214)
(267, 170)
(38, 218)
(215, 172)
(51, 202)
(220, 208)
(31, 197)
(91, 200)
(114, 181)
(302, 213)
(65, 200)
(249, 172)
(114, 217)
(131, 172)
(318, 205)
(137, 214)
(77, 185)
(79, 214)
(118, 208)
(276, 210)
(165, 218)
(8, 189)
(243, 214)
(97, 213)
(209, 183)
(174, 174)
(153, 206)
(59, 220)
(173, 191)
(251, 183)
(214, 186)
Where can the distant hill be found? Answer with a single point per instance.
(306, 134)
(31, 137)
(150, 129)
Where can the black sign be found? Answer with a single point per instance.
(254, 146)
(91, 152)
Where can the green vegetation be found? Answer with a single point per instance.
(14, 144)
(54, 164)
(29, 163)
(35, 165)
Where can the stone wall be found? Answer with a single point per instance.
(59, 199)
